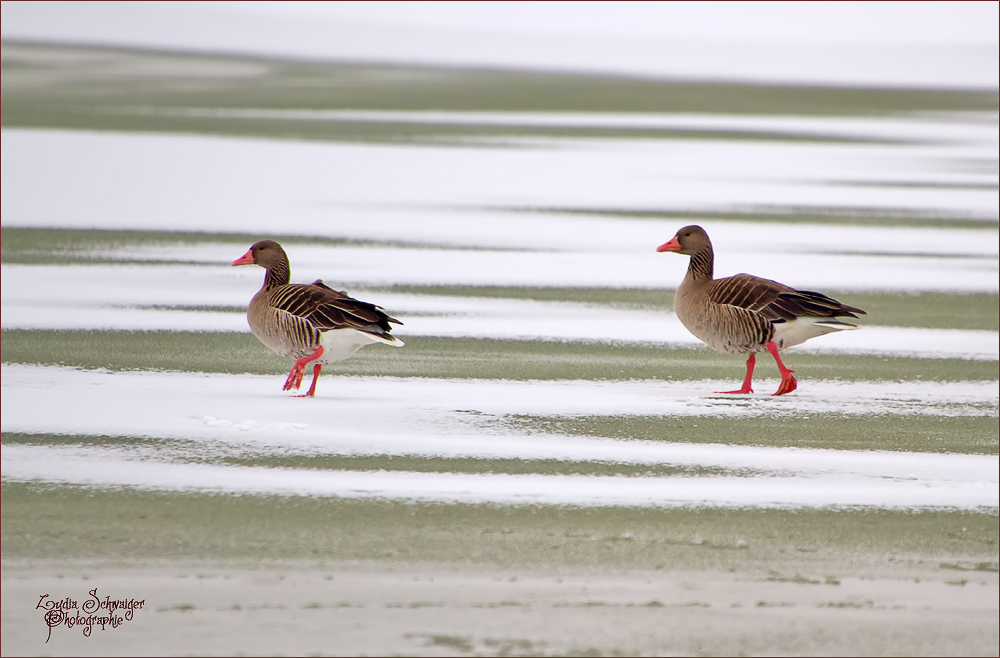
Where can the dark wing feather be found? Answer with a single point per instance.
(351, 303)
(749, 292)
(817, 304)
(776, 301)
(325, 308)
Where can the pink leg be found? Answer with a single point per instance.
(751, 362)
(298, 370)
(312, 387)
(788, 383)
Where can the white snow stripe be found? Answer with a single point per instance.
(28, 463)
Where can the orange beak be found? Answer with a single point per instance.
(673, 245)
(245, 259)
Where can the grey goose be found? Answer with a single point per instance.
(746, 314)
(311, 323)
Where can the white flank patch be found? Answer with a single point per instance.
(339, 344)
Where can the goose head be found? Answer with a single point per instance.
(265, 253)
(689, 240)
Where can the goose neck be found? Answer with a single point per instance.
(702, 265)
(277, 275)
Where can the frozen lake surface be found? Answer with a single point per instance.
(950, 45)
(94, 298)
(495, 213)
(446, 195)
(218, 415)
(536, 496)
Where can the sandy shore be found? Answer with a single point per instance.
(432, 610)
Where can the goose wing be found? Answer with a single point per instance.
(324, 308)
(775, 301)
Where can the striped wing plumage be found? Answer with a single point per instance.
(324, 308)
(775, 301)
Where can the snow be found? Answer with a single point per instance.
(951, 45)
(63, 466)
(434, 215)
(962, 128)
(400, 405)
(93, 298)
(102, 180)
(217, 415)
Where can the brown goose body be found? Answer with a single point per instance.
(745, 314)
(311, 323)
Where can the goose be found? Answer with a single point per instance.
(311, 323)
(745, 314)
